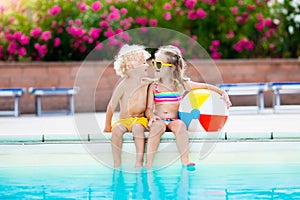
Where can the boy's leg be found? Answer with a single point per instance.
(116, 143)
(178, 127)
(156, 131)
(139, 140)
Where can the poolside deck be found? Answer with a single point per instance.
(239, 124)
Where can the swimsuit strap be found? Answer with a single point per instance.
(156, 88)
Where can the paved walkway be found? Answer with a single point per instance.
(241, 125)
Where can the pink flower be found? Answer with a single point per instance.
(243, 18)
(42, 49)
(167, 16)
(56, 42)
(260, 17)
(104, 24)
(216, 43)
(192, 15)
(125, 36)
(54, 24)
(212, 2)
(259, 26)
(81, 6)
(141, 20)
(11, 19)
(238, 47)
(17, 35)
(230, 34)
(126, 23)
(2, 9)
(114, 15)
(190, 3)
(268, 33)
(9, 37)
(175, 43)
(268, 22)
(24, 40)
(36, 32)
(251, 8)
(78, 22)
(1, 52)
(216, 55)
(22, 51)
(167, 6)
(99, 46)
(82, 48)
(96, 6)
(123, 11)
(272, 47)
(112, 41)
(55, 10)
(76, 32)
(194, 37)
(201, 13)
(109, 33)
(144, 29)
(234, 10)
(119, 30)
(60, 30)
(12, 47)
(95, 32)
(174, 2)
(153, 22)
(249, 45)
(46, 35)
(148, 6)
(243, 44)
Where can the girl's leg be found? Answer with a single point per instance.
(156, 131)
(178, 127)
(139, 140)
(116, 143)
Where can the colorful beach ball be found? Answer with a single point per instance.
(203, 110)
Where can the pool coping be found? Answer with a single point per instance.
(166, 137)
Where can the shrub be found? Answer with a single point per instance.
(60, 30)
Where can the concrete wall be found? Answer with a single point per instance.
(97, 80)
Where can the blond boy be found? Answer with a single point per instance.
(131, 95)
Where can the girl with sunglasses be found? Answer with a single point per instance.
(164, 97)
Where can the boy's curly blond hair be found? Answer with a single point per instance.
(126, 57)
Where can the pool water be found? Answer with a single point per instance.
(207, 181)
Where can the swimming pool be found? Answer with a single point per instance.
(235, 170)
(207, 182)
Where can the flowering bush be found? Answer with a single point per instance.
(61, 30)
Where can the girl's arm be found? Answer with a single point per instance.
(196, 85)
(150, 106)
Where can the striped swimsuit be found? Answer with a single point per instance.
(166, 97)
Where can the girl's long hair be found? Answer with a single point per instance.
(174, 57)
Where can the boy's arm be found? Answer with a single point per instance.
(108, 117)
(117, 94)
(196, 85)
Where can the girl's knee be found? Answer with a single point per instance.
(179, 126)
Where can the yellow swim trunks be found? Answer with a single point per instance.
(129, 122)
